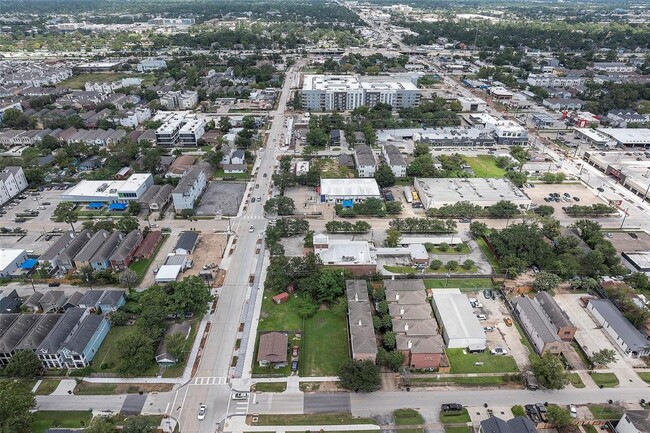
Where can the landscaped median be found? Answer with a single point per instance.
(408, 418)
(456, 422)
(311, 420)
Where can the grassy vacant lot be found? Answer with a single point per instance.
(606, 380)
(455, 417)
(78, 81)
(604, 411)
(469, 284)
(220, 174)
(271, 386)
(44, 420)
(575, 380)
(282, 317)
(484, 166)
(325, 345)
(47, 386)
(313, 419)
(464, 363)
(88, 388)
(408, 417)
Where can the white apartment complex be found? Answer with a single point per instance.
(189, 189)
(12, 183)
(185, 100)
(178, 129)
(347, 92)
(152, 64)
(551, 80)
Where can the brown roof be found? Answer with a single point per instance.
(149, 244)
(273, 347)
(182, 163)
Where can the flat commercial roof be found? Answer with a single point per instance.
(8, 256)
(628, 136)
(168, 273)
(456, 314)
(349, 188)
(440, 191)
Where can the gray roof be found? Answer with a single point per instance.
(111, 297)
(639, 419)
(18, 329)
(10, 302)
(405, 285)
(57, 247)
(73, 300)
(410, 327)
(187, 240)
(176, 259)
(92, 246)
(521, 424)
(128, 245)
(52, 300)
(410, 312)
(632, 337)
(105, 251)
(6, 320)
(494, 425)
(158, 194)
(558, 318)
(534, 313)
(91, 298)
(187, 182)
(182, 328)
(362, 332)
(393, 155)
(61, 331)
(78, 340)
(76, 245)
(34, 300)
(420, 344)
(37, 334)
(364, 156)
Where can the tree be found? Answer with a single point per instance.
(478, 229)
(136, 352)
(360, 376)
(443, 246)
(187, 213)
(24, 364)
(468, 264)
(280, 205)
(225, 124)
(393, 359)
(119, 318)
(190, 295)
(175, 344)
(127, 224)
(390, 340)
(155, 307)
(559, 416)
(452, 265)
(603, 357)
(134, 207)
(546, 281)
(101, 424)
(544, 210)
(138, 424)
(421, 149)
(435, 264)
(16, 401)
(385, 176)
(128, 278)
(392, 237)
(549, 370)
(64, 212)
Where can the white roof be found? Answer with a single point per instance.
(639, 136)
(168, 272)
(440, 191)
(349, 187)
(352, 252)
(97, 189)
(9, 256)
(456, 315)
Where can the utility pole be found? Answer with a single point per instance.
(627, 210)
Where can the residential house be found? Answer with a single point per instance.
(12, 336)
(362, 331)
(360, 139)
(51, 255)
(238, 157)
(272, 350)
(335, 137)
(186, 242)
(53, 301)
(101, 259)
(79, 349)
(634, 421)
(156, 197)
(558, 318)
(65, 260)
(631, 341)
(72, 301)
(148, 245)
(563, 104)
(538, 327)
(10, 302)
(394, 159)
(189, 189)
(518, 424)
(32, 304)
(85, 255)
(37, 334)
(622, 118)
(365, 161)
(123, 255)
(111, 301)
(90, 299)
(48, 351)
(421, 352)
(163, 357)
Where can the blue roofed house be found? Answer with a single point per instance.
(111, 301)
(82, 344)
(90, 299)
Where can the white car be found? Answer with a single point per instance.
(202, 410)
(499, 351)
(240, 396)
(251, 229)
(573, 410)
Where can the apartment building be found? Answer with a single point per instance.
(189, 189)
(12, 183)
(179, 129)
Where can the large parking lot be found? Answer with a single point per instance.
(221, 198)
(32, 202)
(542, 191)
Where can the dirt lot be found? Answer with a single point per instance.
(221, 198)
(305, 198)
(622, 241)
(542, 190)
(208, 250)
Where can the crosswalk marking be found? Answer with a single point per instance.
(209, 381)
(241, 408)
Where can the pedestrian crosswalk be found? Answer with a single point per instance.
(252, 217)
(241, 407)
(209, 381)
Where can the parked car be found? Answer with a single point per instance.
(499, 351)
(576, 198)
(633, 235)
(240, 396)
(294, 366)
(488, 328)
(451, 407)
(54, 284)
(253, 200)
(202, 410)
(573, 410)
(507, 321)
(601, 189)
(294, 351)
(481, 317)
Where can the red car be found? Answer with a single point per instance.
(294, 351)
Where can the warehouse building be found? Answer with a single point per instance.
(629, 339)
(460, 327)
(354, 256)
(348, 191)
(437, 192)
(109, 191)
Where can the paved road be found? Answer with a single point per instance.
(217, 355)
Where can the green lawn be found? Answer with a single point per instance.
(325, 344)
(465, 429)
(518, 410)
(313, 419)
(282, 317)
(605, 380)
(532, 354)
(604, 411)
(401, 269)
(44, 420)
(454, 417)
(451, 250)
(141, 267)
(575, 380)
(464, 381)
(464, 363)
(219, 174)
(78, 80)
(107, 353)
(86, 388)
(484, 166)
(469, 284)
(47, 386)
(589, 428)
(645, 376)
(271, 387)
(408, 417)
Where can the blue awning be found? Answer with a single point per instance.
(29, 264)
(117, 206)
(95, 205)
(347, 203)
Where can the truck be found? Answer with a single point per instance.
(531, 381)
(407, 194)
